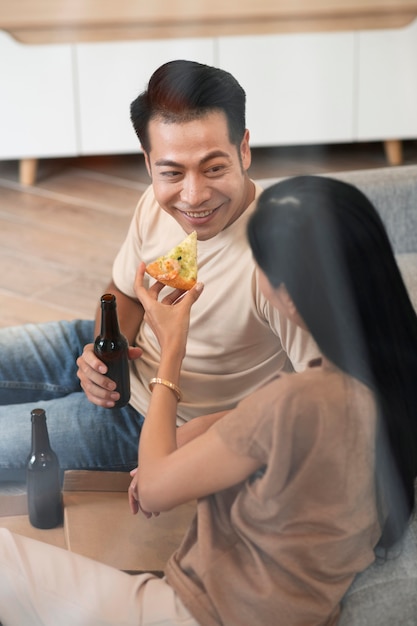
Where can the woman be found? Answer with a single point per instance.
(289, 510)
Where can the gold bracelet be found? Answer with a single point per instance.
(166, 383)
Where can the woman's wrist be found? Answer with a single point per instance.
(173, 355)
(166, 383)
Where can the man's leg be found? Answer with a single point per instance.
(38, 361)
(83, 436)
(44, 585)
(38, 369)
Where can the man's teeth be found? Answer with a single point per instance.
(199, 213)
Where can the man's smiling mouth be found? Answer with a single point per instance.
(199, 213)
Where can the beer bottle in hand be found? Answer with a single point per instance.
(43, 477)
(111, 347)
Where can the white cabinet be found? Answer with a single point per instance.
(68, 99)
(387, 83)
(37, 113)
(110, 75)
(300, 87)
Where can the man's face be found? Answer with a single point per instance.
(198, 176)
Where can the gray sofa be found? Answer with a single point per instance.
(386, 593)
(393, 190)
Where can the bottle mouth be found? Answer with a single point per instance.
(108, 298)
(35, 413)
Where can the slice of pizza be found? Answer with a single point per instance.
(177, 268)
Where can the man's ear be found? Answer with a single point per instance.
(147, 163)
(245, 152)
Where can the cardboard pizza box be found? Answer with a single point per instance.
(98, 523)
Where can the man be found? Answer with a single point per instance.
(191, 125)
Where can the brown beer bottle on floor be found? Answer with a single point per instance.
(111, 347)
(43, 479)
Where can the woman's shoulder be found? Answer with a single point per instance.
(319, 393)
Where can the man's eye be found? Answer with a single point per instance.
(170, 174)
(216, 169)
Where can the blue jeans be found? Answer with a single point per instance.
(38, 370)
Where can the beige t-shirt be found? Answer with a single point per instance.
(236, 341)
(283, 547)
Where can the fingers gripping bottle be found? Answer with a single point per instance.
(111, 347)
(43, 477)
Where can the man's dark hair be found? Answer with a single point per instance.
(181, 91)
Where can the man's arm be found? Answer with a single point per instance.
(99, 389)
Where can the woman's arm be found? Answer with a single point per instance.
(169, 476)
(203, 466)
(197, 426)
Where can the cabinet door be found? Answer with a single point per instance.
(111, 75)
(299, 87)
(37, 117)
(388, 83)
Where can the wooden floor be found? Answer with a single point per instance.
(59, 237)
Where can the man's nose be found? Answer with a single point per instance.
(194, 191)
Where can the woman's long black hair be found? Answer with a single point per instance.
(325, 241)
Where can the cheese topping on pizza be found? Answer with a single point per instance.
(177, 268)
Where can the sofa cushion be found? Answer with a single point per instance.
(408, 267)
(386, 592)
(393, 191)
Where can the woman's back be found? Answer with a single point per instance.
(287, 543)
(325, 242)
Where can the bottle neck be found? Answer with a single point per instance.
(109, 319)
(40, 436)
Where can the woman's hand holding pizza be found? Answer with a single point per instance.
(168, 318)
